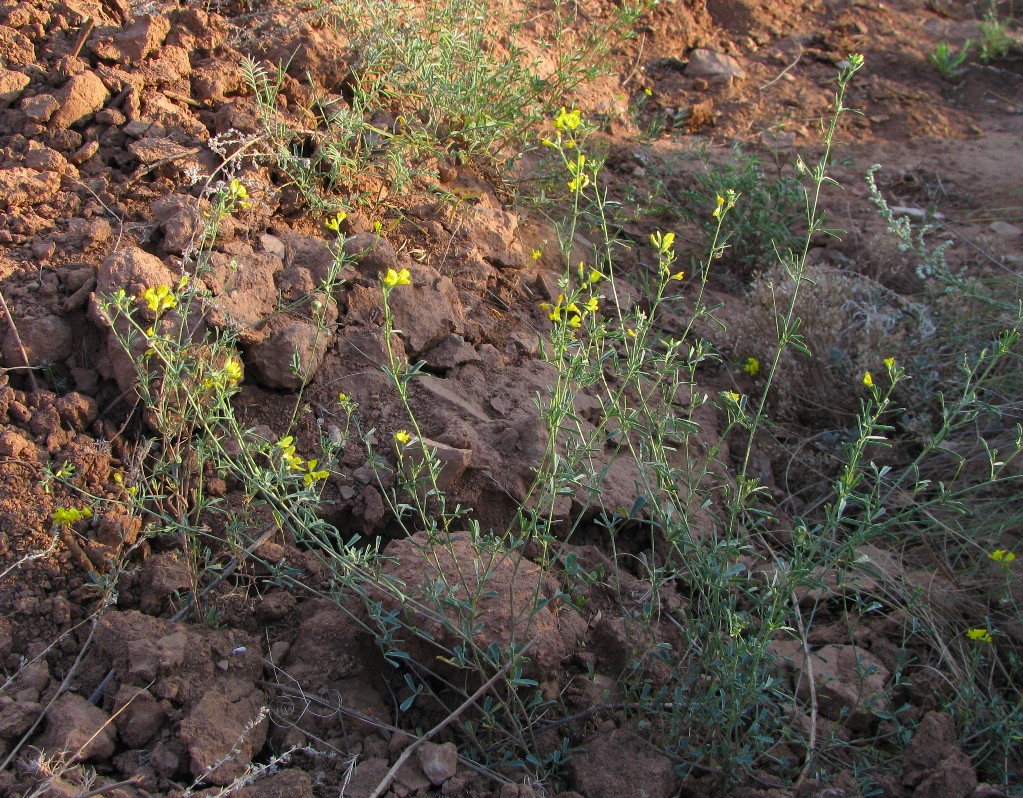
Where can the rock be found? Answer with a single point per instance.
(138, 715)
(932, 742)
(952, 777)
(520, 791)
(500, 598)
(150, 149)
(45, 159)
(16, 49)
(40, 108)
(1006, 230)
(84, 94)
(439, 762)
(17, 717)
(243, 282)
(21, 186)
(850, 685)
(142, 38)
(446, 393)
(77, 410)
(46, 339)
(451, 352)
(271, 360)
(77, 729)
(495, 236)
(11, 86)
(134, 270)
(227, 719)
(373, 255)
(453, 462)
(368, 774)
(708, 63)
(162, 576)
(291, 783)
(619, 763)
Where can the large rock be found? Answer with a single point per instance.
(22, 186)
(77, 729)
(81, 96)
(46, 339)
(619, 763)
(288, 341)
(484, 592)
(226, 726)
(850, 684)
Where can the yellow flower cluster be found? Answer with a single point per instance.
(580, 179)
(160, 298)
(1003, 557)
(393, 278)
(752, 366)
(288, 456)
(65, 516)
(980, 635)
(568, 120)
(310, 473)
(237, 196)
(228, 377)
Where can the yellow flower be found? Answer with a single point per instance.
(288, 456)
(735, 397)
(868, 379)
(578, 183)
(159, 298)
(311, 475)
(402, 437)
(547, 142)
(648, 91)
(237, 193)
(592, 304)
(537, 254)
(721, 204)
(232, 370)
(662, 242)
(393, 278)
(630, 332)
(752, 366)
(334, 222)
(889, 363)
(595, 276)
(65, 516)
(568, 120)
(980, 635)
(1003, 557)
(678, 276)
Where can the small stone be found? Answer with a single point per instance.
(43, 249)
(1005, 229)
(709, 63)
(40, 108)
(84, 153)
(439, 762)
